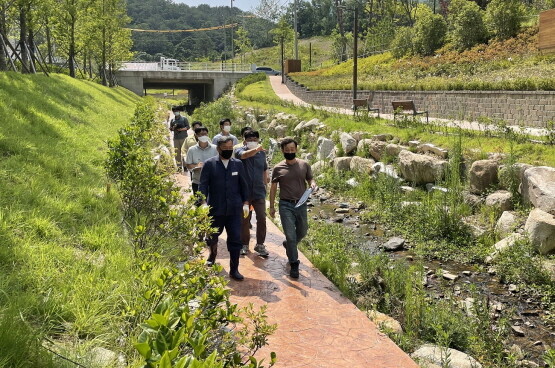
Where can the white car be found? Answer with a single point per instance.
(267, 70)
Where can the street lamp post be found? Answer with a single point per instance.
(355, 53)
(232, 50)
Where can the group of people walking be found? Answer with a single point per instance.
(232, 177)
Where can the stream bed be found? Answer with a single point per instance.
(531, 333)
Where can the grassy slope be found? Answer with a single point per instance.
(270, 56)
(514, 64)
(260, 95)
(64, 264)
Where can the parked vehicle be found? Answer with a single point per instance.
(267, 70)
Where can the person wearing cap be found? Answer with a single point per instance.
(256, 168)
(292, 175)
(223, 183)
(179, 126)
(225, 129)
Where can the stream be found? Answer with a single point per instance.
(531, 334)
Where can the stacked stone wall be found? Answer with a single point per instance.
(527, 108)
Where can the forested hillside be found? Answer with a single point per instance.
(211, 45)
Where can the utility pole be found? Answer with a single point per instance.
(231, 15)
(355, 53)
(282, 62)
(295, 28)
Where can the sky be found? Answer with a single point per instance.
(241, 4)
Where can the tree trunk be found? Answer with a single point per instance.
(103, 57)
(31, 40)
(71, 61)
(339, 9)
(48, 41)
(3, 55)
(22, 37)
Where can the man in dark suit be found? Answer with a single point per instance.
(223, 183)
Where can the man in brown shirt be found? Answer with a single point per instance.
(292, 175)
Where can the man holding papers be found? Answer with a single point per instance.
(292, 175)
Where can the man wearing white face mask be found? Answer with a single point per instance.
(256, 169)
(179, 126)
(199, 153)
(225, 129)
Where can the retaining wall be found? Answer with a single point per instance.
(528, 108)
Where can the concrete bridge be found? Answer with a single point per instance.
(204, 81)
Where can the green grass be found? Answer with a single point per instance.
(65, 264)
(476, 144)
(514, 64)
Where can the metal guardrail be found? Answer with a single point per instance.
(183, 66)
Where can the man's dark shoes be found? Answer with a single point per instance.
(236, 275)
(294, 273)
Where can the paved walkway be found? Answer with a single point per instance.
(317, 326)
(283, 92)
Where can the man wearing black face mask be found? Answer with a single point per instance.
(292, 175)
(223, 183)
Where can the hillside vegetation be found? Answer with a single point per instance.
(65, 265)
(513, 64)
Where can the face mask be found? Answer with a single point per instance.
(289, 156)
(226, 154)
(251, 145)
(203, 139)
(177, 113)
(227, 128)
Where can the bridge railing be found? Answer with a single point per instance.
(183, 66)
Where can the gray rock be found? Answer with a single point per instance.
(325, 146)
(517, 330)
(472, 199)
(318, 167)
(421, 169)
(377, 149)
(382, 137)
(407, 189)
(506, 243)
(389, 170)
(449, 276)
(538, 188)
(414, 144)
(540, 227)
(342, 163)
(299, 126)
(352, 182)
(362, 165)
(506, 224)
(393, 150)
(348, 143)
(364, 145)
(312, 125)
(501, 199)
(430, 148)
(281, 131)
(394, 244)
(342, 210)
(437, 355)
(102, 357)
(482, 175)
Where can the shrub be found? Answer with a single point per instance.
(503, 18)
(402, 44)
(466, 24)
(429, 31)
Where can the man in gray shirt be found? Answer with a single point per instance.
(179, 126)
(256, 168)
(225, 129)
(199, 153)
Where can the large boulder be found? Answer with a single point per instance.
(482, 175)
(437, 355)
(540, 227)
(325, 146)
(421, 169)
(377, 149)
(360, 164)
(382, 137)
(506, 224)
(430, 148)
(281, 131)
(389, 170)
(364, 145)
(393, 150)
(501, 199)
(538, 188)
(507, 242)
(342, 163)
(348, 143)
(318, 167)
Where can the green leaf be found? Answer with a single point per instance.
(144, 349)
(165, 362)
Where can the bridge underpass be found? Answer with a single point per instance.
(204, 81)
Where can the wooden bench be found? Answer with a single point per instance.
(365, 104)
(406, 108)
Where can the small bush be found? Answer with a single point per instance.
(466, 24)
(429, 32)
(503, 18)
(402, 44)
